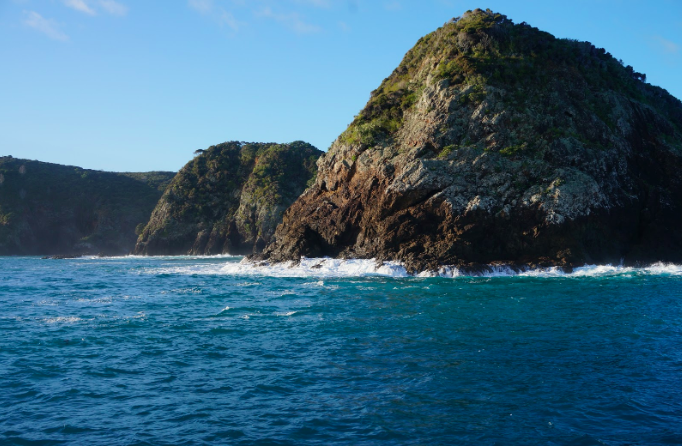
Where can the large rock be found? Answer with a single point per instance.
(229, 199)
(495, 142)
(65, 210)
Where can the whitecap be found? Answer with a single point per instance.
(288, 313)
(193, 290)
(664, 269)
(319, 283)
(318, 267)
(326, 268)
(655, 269)
(62, 320)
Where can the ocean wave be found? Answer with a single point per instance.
(286, 313)
(656, 269)
(319, 268)
(325, 268)
(62, 320)
(340, 268)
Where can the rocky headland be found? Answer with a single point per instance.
(51, 209)
(229, 199)
(495, 142)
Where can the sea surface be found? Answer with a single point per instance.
(204, 351)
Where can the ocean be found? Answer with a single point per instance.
(205, 351)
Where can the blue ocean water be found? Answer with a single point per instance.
(192, 351)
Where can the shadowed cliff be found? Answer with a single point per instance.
(53, 209)
(228, 199)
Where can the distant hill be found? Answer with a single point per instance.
(492, 142)
(229, 199)
(50, 209)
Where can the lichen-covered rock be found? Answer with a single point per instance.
(229, 199)
(50, 209)
(495, 142)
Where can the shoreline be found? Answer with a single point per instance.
(328, 267)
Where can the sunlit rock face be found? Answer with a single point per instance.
(496, 142)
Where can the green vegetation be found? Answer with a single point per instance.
(311, 181)
(447, 150)
(236, 191)
(53, 209)
(541, 74)
(513, 150)
(475, 96)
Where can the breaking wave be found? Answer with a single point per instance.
(342, 268)
(318, 267)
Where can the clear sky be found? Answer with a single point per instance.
(139, 85)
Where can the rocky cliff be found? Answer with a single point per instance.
(497, 142)
(53, 209)
(228, 199)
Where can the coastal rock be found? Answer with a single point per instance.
(50, 209)
(229, 199)
(494, 142)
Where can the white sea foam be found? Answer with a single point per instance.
(337, 268)
(62, 320)
(319, 283)
(656, 269)
(325, 268)
(193, 290)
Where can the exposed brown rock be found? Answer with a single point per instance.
(497, 143)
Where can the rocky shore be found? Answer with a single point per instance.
(492, 143)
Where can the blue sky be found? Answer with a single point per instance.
(139, 85)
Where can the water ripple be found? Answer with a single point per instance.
(153, 351)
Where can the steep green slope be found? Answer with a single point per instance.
(539, 76)
(53, 209)
(497, 142)
(229, 199)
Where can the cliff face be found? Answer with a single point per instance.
(52, 209)
(496, 142)
(228, 199)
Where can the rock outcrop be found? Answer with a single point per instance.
(50, 209)
(229, 199)
(494, 142)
